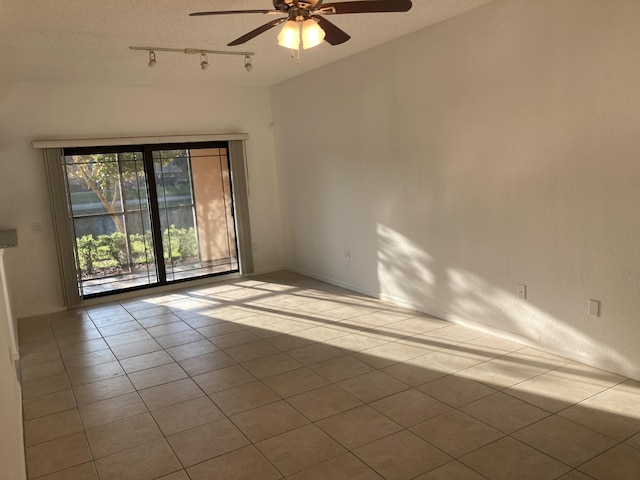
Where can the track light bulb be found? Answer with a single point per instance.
(152, 59)
(247, 63)
(204, 61)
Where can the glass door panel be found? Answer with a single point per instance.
(109, 204)
(196, 212)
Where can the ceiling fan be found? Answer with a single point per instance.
(305, 20)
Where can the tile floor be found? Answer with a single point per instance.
(284, 377)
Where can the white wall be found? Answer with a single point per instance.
(29, 111)
(497, 148)
(11, 439)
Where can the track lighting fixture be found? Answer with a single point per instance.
(204, 59)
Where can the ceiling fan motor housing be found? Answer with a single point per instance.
(285, 5)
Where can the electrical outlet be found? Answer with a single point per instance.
(347, 254)
(594, 308)
(522, 291)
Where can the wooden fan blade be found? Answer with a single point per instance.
(333, 34)
(365, 6)
(232, 12)
(257, 31)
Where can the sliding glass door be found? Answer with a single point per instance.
(150, 215)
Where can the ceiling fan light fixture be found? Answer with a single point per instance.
(289, 36)
(312, 34)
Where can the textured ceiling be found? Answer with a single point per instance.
(86, 41)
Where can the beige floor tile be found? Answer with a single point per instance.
(190, 350)
(615, 412)
(245, 397)
(48, 404)
(294, 382)
(418, 324)
(89, 359)
(456, 333)
(154, 376)
(401, 456)
(358, 426)
(355, 342)
(82, 376)
(502, 372)
(206, 441)
(456, 391)
(141, 347)
(51, 427)
(243, 464)
(82, 348)
(299, 449)
(168, 329)
(78, 337)
(223, 378)
(372, 386)
(126, 338)
(564, 440)
(456, 433)
(414, 372)
(111, 410)
(179, 475)
(42, 356)
(27, 348)
(155, 320)
(508, 459)
(206, 363)
(111, 387)
(575, 475)
(341, 368)
(269, 420)
(390, 353)
(147, 360)
(453, 359)
(183, 416)
(145, 310)
(122, 435)
(619, 463)
(180, 338)
(272, 365)
(288, 342)
(451, 471)
(234, 339)
(324, 402)
(410, 407)
(57, 455)
(344, 467)
(86, 471)
(42, 370)
(118, 328)
(634, 441)
(45, 386)
(251, 351)
(170, 393)
(315, 353)
(504, 412)
(219, 328)
(144, 462)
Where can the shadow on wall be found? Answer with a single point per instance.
(413, 278)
